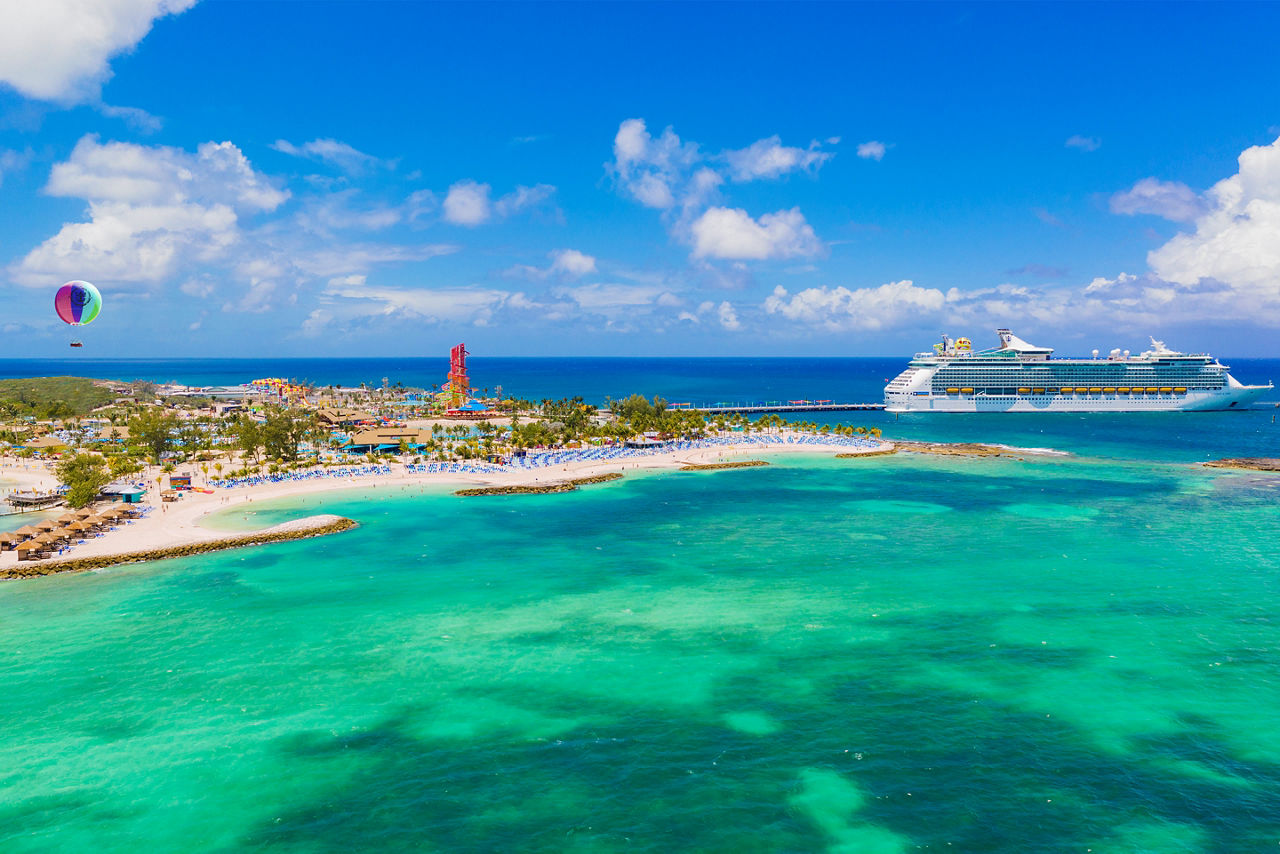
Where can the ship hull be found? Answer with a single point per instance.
(1239, 397)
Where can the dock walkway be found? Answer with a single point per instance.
(765, 408)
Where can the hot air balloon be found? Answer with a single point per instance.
(77, 303)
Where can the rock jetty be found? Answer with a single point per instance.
(1248, 463)
(314, 526)
(541, 489)
(882, 452)
(739, 464)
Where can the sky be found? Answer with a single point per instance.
(389, 178)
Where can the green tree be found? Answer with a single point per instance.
(284, 431)
(84, 475)
(154, 430)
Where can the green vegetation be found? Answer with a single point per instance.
(84, 475)
(51, 397)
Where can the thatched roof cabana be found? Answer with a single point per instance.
(27, 531)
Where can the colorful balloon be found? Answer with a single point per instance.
(77, 303)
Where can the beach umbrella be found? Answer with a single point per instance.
(66, 518)
(85, 513)
(81, 526)
(27, 531)
(46, 525)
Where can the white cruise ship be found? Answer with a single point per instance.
(1020, 377)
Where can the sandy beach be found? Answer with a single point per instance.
(178, 523)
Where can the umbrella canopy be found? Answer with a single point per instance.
(80, 526)
(88, 511)
(66, 518)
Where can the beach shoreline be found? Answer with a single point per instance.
(179, 524)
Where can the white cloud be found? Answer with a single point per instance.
(151, 210)
(840, 309)
(872, 150)
(1101, 284)
(333, 152)
(648, 169)
(138, 119)
(571, 262)
(728, 317)
(350, 301)
(769, 158)
(1237, 235)
(612, 300)
(523, 198)
(1084, 143)
(468, 202)
(731, 233)
(59, 50)
(1169, 199)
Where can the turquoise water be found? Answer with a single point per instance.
(880, 655)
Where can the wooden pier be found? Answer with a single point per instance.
(775, 406)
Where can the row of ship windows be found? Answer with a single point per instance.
(1060, 390)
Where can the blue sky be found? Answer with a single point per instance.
(283, 179)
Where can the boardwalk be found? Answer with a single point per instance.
(770, 407)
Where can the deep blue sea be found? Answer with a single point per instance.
(878, 655)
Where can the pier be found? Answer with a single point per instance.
(772, 406)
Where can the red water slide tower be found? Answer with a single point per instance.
(459, 384)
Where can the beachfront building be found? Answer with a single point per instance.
(385, 439)
(334, 417)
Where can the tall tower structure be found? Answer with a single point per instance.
(459, 384)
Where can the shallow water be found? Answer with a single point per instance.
(886, 654)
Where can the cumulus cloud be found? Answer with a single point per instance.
(841, 309)
(677, 178)
(731, 233)
(150, 210)
(333, 152)
(1169, 199)
(728, 317)
(571, 262)
(769, 158)
(468, 202)
(1237, 233)
(59, 50)
(651, 170)
(1084, 143)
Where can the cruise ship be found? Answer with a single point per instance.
(1021, 377)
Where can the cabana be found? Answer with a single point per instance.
(10, 540)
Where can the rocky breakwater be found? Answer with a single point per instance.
(541, 489)
(1246, 463)
(737, 464)
(883, 451)
(312, 526)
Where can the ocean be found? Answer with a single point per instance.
(888, 654)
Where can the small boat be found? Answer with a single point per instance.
(76, 344)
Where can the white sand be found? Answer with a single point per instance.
(178, 523)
